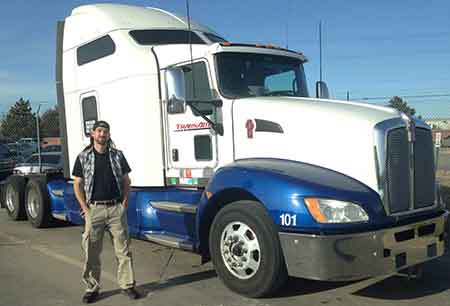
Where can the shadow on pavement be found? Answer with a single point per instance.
(145, 289)
(300, 286)
(435, 279)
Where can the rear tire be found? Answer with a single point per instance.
(13, 197)
(37, 203)
(246, 251)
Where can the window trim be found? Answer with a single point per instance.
(110, 52)
(219, 88)
(203, 42)
(209, 74)
(210, 147)
(83, 98)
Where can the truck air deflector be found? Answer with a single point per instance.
(60, 97)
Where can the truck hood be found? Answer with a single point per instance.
(337, 135)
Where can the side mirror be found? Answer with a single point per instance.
(322, 90)
(176, 91)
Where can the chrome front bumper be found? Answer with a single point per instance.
(358, 256)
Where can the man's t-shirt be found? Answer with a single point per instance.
(105, 185)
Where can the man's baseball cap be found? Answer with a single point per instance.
(102, 124)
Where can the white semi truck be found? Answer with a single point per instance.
(232, 159)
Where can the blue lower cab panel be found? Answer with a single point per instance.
(155, 220)
(143, 218)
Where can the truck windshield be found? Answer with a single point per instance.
(250, 75)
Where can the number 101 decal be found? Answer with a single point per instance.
(288, 219)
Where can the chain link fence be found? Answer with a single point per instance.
(32, 138)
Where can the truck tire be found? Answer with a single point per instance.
(37, 203)
(246, 251)
(14, 197)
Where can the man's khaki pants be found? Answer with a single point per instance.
(113, 219)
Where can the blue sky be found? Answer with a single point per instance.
(370, 48)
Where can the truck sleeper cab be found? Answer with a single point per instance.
(228, 154)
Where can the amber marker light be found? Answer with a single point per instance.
(314, 209)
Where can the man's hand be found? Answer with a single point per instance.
(126, 190)
(79, 194)
(84, 212)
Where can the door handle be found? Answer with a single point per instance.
(175, 156)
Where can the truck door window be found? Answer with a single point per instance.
(95, 50)
(203, 147)
(198, 88)
(89, 106)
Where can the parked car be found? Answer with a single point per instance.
(27, 140)
(51, 162)
(21, 151)
(51, 148)
(7, 162)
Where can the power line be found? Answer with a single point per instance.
(405, 96)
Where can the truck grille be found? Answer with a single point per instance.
(405, 160)
(424, 178)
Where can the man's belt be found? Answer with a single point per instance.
(105, 202)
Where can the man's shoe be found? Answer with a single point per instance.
(131, 293)
(90, 297)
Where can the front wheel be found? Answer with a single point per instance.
(245, 249)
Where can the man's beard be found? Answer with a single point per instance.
(101, 141)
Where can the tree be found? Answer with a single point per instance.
(401, 105)
(49, 123)
(19, 122)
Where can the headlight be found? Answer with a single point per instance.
(333, 211)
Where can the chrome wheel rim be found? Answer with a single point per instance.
(33, 203)
(11, 197)
(240, 250)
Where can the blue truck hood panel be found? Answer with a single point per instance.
(281, 185)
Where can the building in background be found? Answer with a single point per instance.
(439, 123)
(442, 126)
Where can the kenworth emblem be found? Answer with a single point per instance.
(250, 126)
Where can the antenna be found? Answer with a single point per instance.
(287, 34)
(320, 47)
(190, 47)
(287, 24)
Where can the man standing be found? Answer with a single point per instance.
(101, 187)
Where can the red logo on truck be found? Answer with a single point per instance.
(192, 126)
(250, 126)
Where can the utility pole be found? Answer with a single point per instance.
(39, 137)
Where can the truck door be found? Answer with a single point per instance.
(192, 145)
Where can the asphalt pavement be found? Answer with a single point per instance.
(43, 267)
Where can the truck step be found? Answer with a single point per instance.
(170, 241)
(175, 206)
